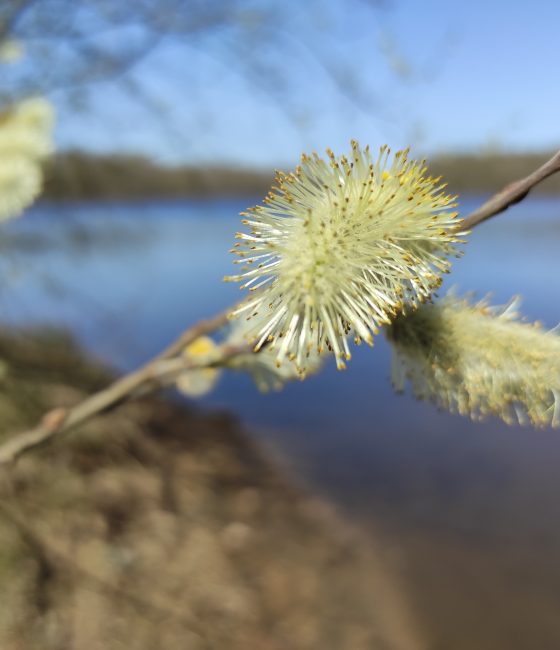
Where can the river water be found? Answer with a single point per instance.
(468, 510)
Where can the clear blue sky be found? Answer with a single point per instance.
(440, 75)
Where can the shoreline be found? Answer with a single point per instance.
(75, 175)
(161, 521)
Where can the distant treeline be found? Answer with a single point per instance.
(490, 172)
(80, 176)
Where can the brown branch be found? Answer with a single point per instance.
(146, 379)
(511, 194)
(154, 374)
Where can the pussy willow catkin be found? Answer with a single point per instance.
(25, 140)
(479, 361)
(337, 249)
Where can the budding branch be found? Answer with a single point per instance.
(511, 194)
(153, 374)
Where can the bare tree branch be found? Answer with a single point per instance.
(511, 194)
(12, 14)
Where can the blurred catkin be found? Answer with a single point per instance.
(25, 140)
(479, 361)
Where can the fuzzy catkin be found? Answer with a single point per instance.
(478, 361)
(339, 247)
(25, 140)
(197, 382)
(261, 366)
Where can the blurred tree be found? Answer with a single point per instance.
(72, 44)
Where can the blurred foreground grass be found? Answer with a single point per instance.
(157, 526)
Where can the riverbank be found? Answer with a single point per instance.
(159, 525)
(77, 176)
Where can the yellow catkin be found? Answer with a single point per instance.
(267, 374)
(479, 361)
(338, 247)
(25, 140)
(11, 51)
(199, 381)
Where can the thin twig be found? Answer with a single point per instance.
(153, 374)
(511, 194)
(146, 379)
(166, 371)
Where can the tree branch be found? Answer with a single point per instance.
(154, 373)
(511, 194)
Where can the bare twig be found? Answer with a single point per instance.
(511, 194)
(146, 379)
(158, 370)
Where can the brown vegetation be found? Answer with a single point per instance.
(159, 527)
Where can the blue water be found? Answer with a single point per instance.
(471, 507)
(127, 278)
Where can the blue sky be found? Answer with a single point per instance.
(437, 75)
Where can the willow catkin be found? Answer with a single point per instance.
(479, 361)
(338, 247)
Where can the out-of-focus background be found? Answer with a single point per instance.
(331, 514)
